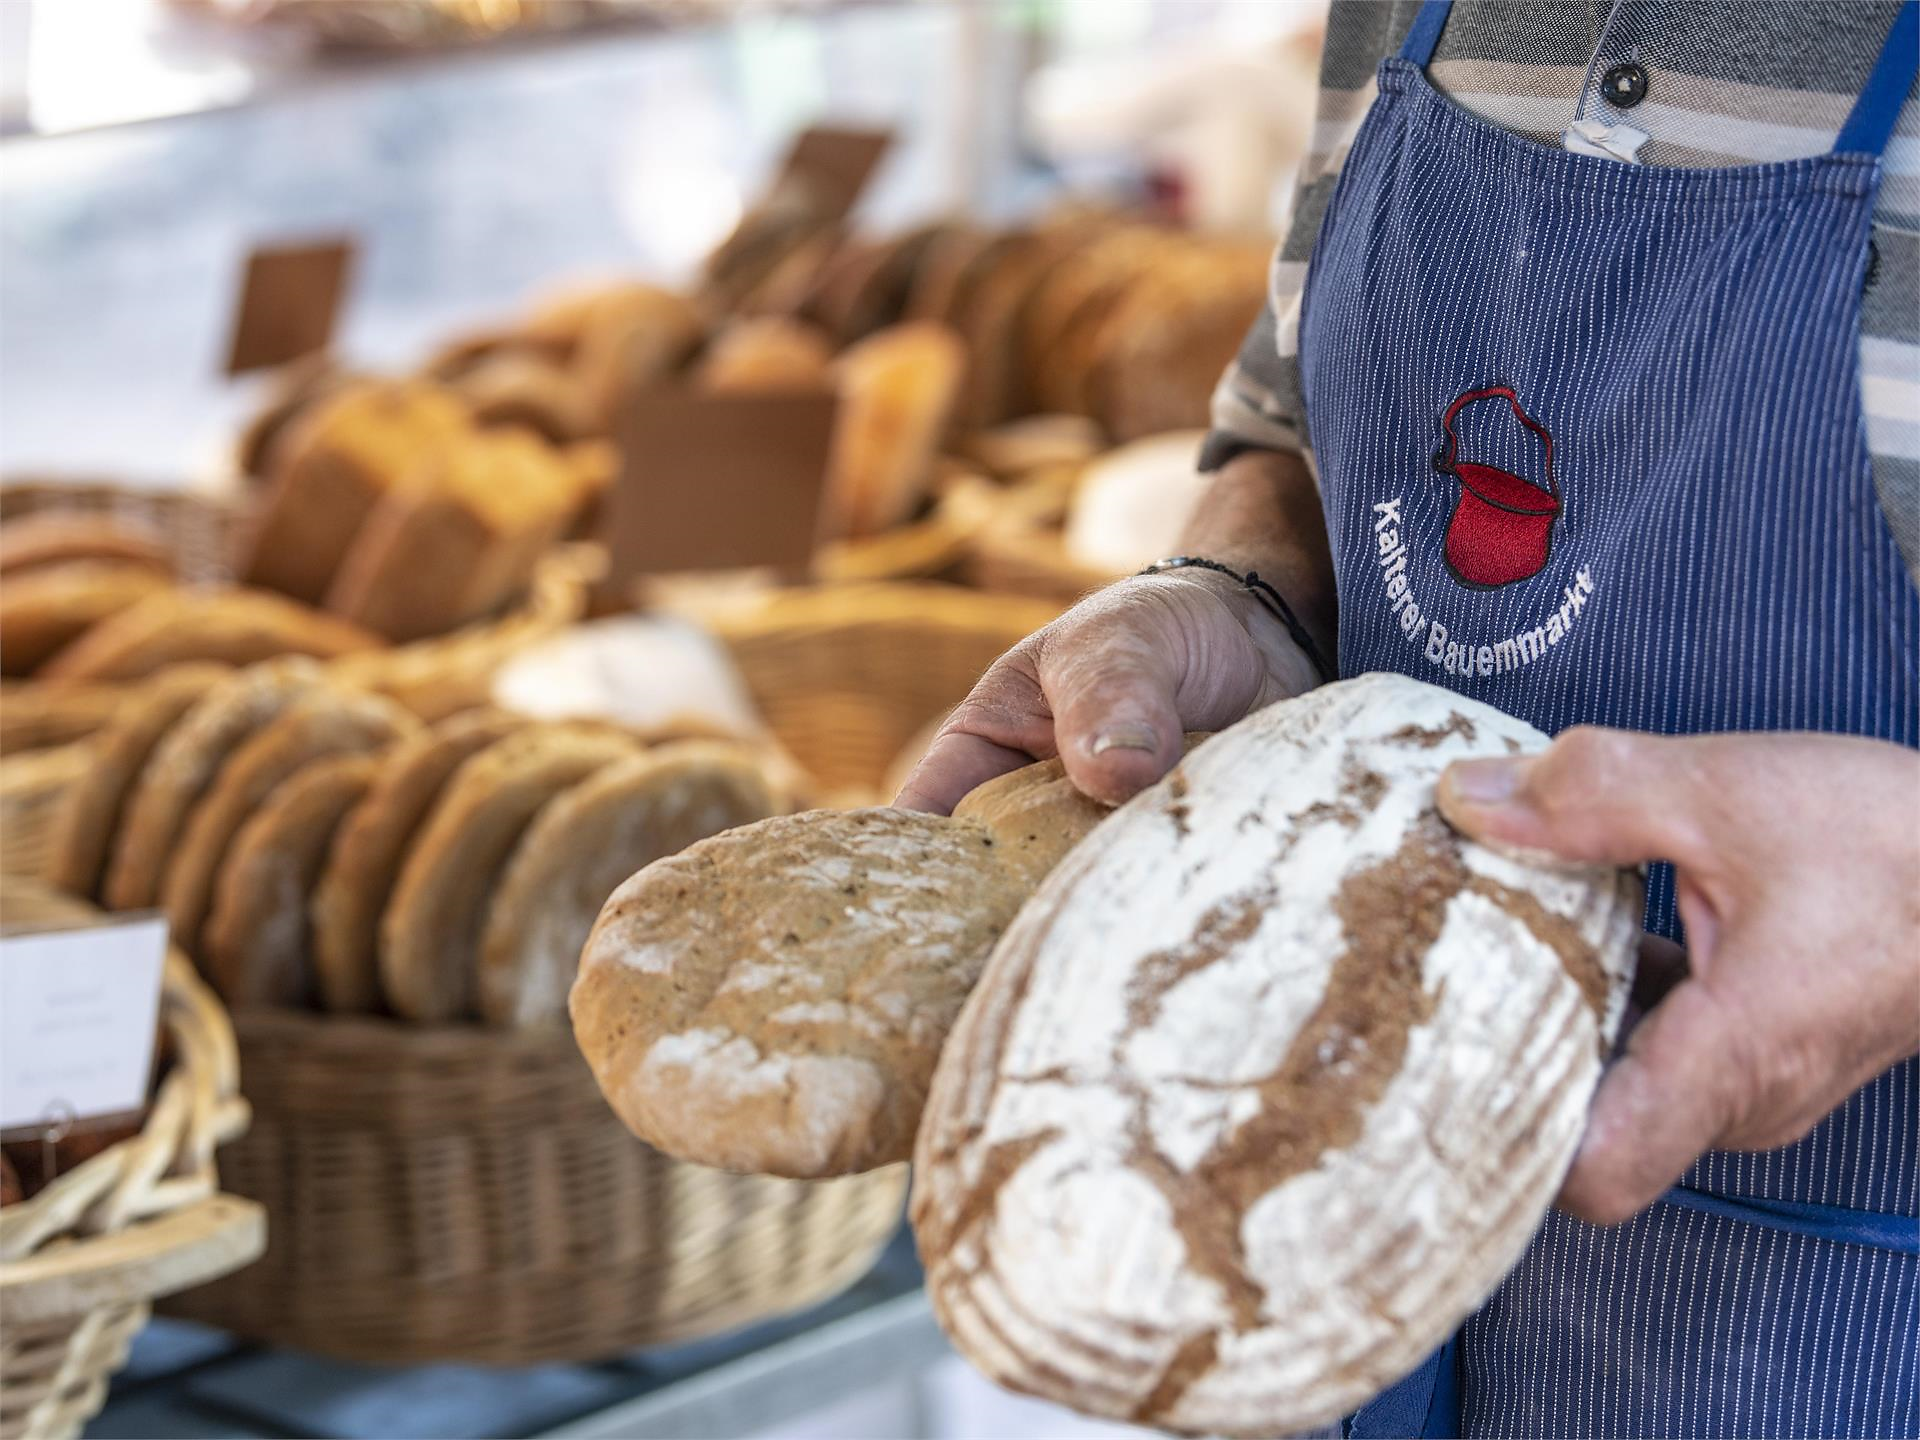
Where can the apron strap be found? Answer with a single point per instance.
(1880, 1231)
(1425, 1404)
(1425, 33)
(1875, 112)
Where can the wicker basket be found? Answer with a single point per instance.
(846, 675)
(81, 1261)
(466, 1194)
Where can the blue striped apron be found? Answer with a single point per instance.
(1591, 448)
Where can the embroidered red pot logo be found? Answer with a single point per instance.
(1501, 529)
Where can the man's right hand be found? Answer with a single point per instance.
(1111, 687)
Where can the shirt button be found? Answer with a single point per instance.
(1624, 86)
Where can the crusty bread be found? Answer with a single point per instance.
(44, 610)
(257, 948)
(56, 537)
(897, 392)
(1035, 442)
(366, 854)
(773, 1000)
(91, 808)
(35, 716)
(582, 845)
(232, 627)
(335, 463)
(459, 539)
(1036, 814)
(328, 721)
(296, 389)
(524, 389)
(1272, 1080)
(767, 353)
(183, 765)
(430, 933)
(637, 336)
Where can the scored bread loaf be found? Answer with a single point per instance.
(1273, 1079)
(459, 538)
(772, 1000)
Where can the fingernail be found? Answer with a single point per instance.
(1125, 737)
(1486, 782)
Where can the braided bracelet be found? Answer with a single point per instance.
(1261, 591)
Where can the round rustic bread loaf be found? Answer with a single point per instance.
(1272, 1080)
(772, 1000)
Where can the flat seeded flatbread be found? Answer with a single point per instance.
(257, 940)
(327, 722)
(92, 807)
(581, 845)
(1272, 1080)
(430, 933)
(183, 765)
(372, 842)
(773, 1000)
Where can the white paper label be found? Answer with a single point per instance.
(1609, 142)
(77, 1015)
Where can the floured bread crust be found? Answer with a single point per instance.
(430, 934)
(365, 858)
(182, 766)
(582, 845)
(257, 948)
(773, 1000)
(91, 808)
(328, 721)
(1272, 1081)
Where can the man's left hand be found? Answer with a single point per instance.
(1797, 862)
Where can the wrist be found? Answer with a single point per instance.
(1290, 663)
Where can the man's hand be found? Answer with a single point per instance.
(1798, 878)
(1111, 686)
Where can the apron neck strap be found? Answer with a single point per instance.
(1425, 33)
(1871, 123)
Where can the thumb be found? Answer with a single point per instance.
(1660, 1106)
(1603, 797)
(1115, 719)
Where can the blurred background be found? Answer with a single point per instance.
(1083, 192)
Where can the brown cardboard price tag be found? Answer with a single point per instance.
(828, 168)
(718, 482)
(289, 302)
